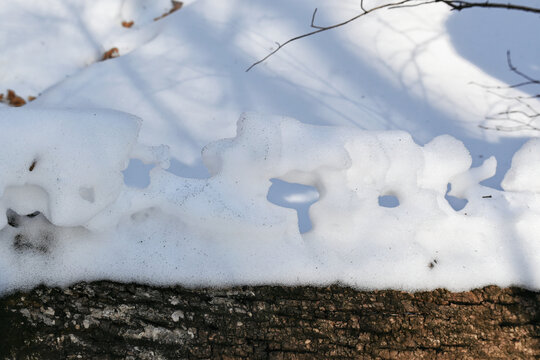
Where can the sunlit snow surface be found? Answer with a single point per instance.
(224, 230)
(207, 200)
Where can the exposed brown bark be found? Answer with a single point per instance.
(106, 320)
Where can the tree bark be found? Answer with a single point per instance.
(107, 320)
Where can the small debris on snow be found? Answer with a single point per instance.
(14, 99)
(110, 54)
(33, 165)
(176, 5)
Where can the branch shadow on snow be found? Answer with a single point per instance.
(484, 36)
(371, 101)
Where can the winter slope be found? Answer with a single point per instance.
(184, 76)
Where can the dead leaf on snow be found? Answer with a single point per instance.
(176, 5)
(14, 99)
(110, 54)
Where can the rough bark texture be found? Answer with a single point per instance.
(106, 320)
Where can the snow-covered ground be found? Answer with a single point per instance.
(358, 155)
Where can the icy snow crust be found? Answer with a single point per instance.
(223, 230)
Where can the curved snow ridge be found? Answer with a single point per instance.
(70, 217)
(65, 164)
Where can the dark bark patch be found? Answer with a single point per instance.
(109, 320)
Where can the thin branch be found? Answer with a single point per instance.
(313, 20)
(520, 125)
(461, 5)
(326, 28)
(510, 128)
(414, 5)
(506, 97)
(514, 69)
(362, 6)
(508, 113)
(457, 5)
(498, 87)
(520, 108)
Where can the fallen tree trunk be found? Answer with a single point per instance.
(106, 320)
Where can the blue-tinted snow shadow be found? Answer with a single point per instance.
(294, 196)
(410, 106)
(484, 36)
(422, 119)
(137, 174)
(306, 103)
(370, 102)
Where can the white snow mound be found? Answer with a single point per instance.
(69, 215)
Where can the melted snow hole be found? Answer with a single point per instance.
(28, 228)
(137, 174)
(388, 201)
(87, 194)
(294, 196)
(31, 232)
(456, 203)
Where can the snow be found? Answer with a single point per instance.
(64, 164)
(525, 170)
(141, 171)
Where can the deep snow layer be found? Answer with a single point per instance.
(410, 69)
(209, 218)
(223, 230)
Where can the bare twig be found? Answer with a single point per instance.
(457, 5)
(326, 28)
(362, 6)
(516, 124)
(522, 114)
(524, 118)
(313, 20)
(506, 97)
(415, 4)
(461, 5)
(508, 114)
(523, 75)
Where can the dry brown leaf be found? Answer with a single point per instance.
(14, 99)
(110, 54)
(176, 5)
